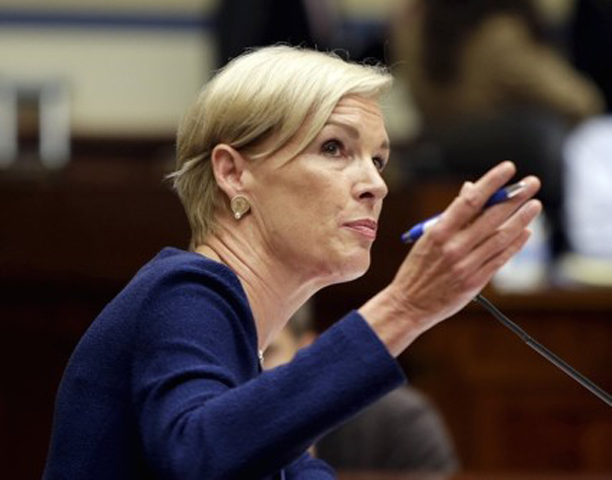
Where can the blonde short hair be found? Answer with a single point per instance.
(263, 97)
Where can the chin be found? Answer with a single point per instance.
(353, 267)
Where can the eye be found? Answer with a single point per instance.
(332, 148)
(379, 163)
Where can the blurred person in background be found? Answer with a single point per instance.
(474, 58)
(588, 153)
(588, 157)
(401, 432)
(591, 43)
(243, 24)
(320, 24)
(486, 82)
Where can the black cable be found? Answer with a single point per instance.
(542, 350)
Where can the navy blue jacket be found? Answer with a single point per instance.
(166, 384)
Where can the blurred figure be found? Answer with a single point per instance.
(589, 204)
(479, 57)
(588, 152)
(486, 83)
(319, 24)
(591, 43)
(254, 23)
(400, 432)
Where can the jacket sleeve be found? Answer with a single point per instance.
(198, 419)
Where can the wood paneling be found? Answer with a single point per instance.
(70, 241)
(467, 476)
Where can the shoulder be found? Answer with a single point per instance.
(193, 305)
(402, 413)
(183, 284)
(179, 276)
(499, 36)
(173, 265)
(504, 48)
(503, 28)
(399, 405)
(176, 291)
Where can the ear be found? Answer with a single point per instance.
(228, 167)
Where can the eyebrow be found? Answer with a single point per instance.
(353, 132)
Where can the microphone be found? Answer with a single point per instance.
(542, 350)
(501, 196)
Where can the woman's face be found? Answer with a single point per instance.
(318, 211)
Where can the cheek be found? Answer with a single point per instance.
(315, 211)
(305, 225)
(302, 202)
(308, 199)
(306, 221)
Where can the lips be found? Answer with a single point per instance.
(365, 227)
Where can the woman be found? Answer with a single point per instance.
(279, 170)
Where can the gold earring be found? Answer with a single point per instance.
(239, 205)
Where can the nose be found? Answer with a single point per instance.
(371, 185)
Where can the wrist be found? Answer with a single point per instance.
(390, 318)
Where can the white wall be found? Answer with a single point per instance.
(124, 80)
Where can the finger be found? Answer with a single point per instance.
(492, 218)
(501, 239)
(466, 186)
(492, 266)
(471, 201)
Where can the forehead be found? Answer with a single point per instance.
(355, 108)
(362, 117)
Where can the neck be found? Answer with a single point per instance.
(274, 290)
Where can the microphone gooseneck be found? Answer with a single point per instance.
(542, 350)
(500, 196)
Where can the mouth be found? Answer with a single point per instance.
(365, 227)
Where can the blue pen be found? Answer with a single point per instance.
(500, 196)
